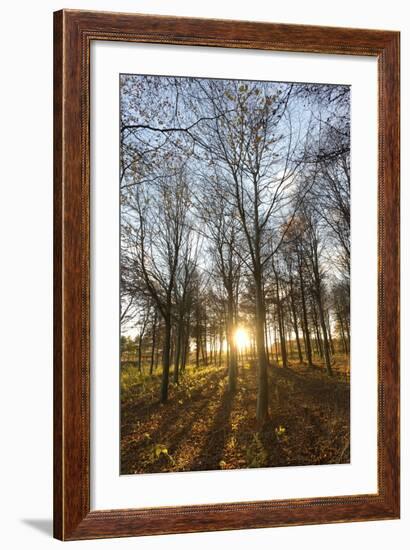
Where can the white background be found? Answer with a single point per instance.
(108, 489)
(26, 271)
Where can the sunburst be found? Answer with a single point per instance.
(242, 339)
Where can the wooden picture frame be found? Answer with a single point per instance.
(73, 33)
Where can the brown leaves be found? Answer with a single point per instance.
(202, 428)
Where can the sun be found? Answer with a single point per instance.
(242, 340)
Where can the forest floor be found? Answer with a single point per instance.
(203, 427)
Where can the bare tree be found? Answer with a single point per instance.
(155, 244)
(223, 235)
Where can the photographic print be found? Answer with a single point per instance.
(234, 274)
(202, 275)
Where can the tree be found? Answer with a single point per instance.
(154, 246)
(312, 250)
(245, 140)
(184, 293)
(222, 231)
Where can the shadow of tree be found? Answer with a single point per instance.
(211, 452)
(174, 428)
(139, 410)
(327, 391)
(165, 435)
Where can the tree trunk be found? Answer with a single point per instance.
(324, 333)
(318, 339)
(266, 340)
(281, 327)
(140, 352)
(198, 342)
(166, 360)
(295, 322)
(220, 346)
(305, 326)
(319, 347)
(342, 332)
(262, 403)
(154, 336)
(233, 355)
(178, 351)
(319, 300)
(185, 351)
(329, 333)
(204, 343)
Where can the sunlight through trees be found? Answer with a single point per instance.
(235, 232)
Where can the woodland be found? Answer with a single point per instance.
(234, 274)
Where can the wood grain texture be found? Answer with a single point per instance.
(57, 302)
(73, 32)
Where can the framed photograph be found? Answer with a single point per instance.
(226, 275)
